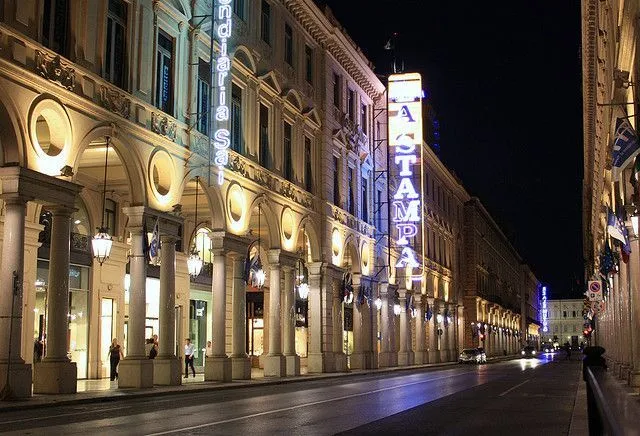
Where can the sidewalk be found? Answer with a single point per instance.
(104, 390)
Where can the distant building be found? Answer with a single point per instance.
(565, 321)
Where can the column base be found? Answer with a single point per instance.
(55, 378)
(387, 359)
(293, 364)
(20, 379)
(634, 379)
(167, 371)
(320, 362)
(405, 358)
(135, 373)
(340, 361)
(444, 355)
(420, 357)
(275, 365)
(358, 360)
(434, 356)
(241, 368)
(624, 372)
(218, 369)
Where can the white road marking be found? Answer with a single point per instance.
(515, 387)
(299, 406)
(38, 418)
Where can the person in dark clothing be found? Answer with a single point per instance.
(38, 350)
(115, 353)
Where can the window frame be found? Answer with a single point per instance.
(110, 62)
(265, 22)
(161, 55)
(288, 44)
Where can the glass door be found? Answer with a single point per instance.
(107, 332)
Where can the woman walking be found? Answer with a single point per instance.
(115, 353)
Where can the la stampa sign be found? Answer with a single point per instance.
(405, 159)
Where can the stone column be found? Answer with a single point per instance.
(289, 323)
(357, 359)
(274, 362)
(634, 306)
(405, 354)
(56, 374)
(615, 326)
(387, 356)
(166, 366)
(623, 332)
(136, 370)
(218, 367)
(240, 362)
(432, 330)
(420, 356)
(338, 327)
(11, 295)
(317, 312)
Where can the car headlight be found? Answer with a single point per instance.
(533, 352)
(522, 352)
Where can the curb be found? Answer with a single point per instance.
(20, 405)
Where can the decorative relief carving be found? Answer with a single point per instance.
(162, 125)
(238, 166)
(115, 101)
(52, 68)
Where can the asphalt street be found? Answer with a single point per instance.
(521, 396)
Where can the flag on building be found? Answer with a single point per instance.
(607, 262)
(625, 142)
(625, 251)
(615, 227)
(154, 245)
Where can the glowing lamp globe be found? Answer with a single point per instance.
(303, 290)
(101, 245)
(194, 264)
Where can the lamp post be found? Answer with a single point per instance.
(101, 242)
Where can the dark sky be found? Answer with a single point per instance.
(504, 78)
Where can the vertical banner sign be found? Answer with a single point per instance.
(545, 319)
(404, 112)
(221, 77)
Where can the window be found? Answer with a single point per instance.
(265, 156)
(55, 25)
(351, 100)
(378, 212)
(337, 92)
(336, 181)
(237, 142)
(238, 8)
(288, 164)
(564, 313)
(164, 73)
(574, 313)
(110, 210)
(204, 92)
(364, 200)
(351, 200)
(114, 59)
(363, 118)
(288, 44)
(308, 172)
(265, 22)
(308, 62)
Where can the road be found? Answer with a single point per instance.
(520, 396)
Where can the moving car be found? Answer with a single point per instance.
(528, 351)
(472, 355)
(549, 348)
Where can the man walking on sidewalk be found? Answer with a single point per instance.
(189, 350)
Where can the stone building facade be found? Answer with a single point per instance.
(566, 321)
(609, 73)
(105, 115)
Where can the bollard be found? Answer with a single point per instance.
(593, 358)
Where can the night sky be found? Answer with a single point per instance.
(504, 78)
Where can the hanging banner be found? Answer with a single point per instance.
(404, 112)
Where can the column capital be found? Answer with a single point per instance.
(273, 255)
(61, 210)
(14, 198)
(316, 268)
(169, 239)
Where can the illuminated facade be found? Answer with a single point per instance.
(609, 75)
(293, 177)
(566, 322)
(498, 287)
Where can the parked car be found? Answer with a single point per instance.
(528, 351)
(472, 355)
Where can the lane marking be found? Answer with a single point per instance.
(37, 418)
(515, 387)
(299, 406)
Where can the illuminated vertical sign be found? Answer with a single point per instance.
(545, 320)
(221, 75)
(404, 112)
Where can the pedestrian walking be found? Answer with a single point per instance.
(115, 354)
(189, 351)
(209, 350)
(153, 352)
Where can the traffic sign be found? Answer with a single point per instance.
(594, 293)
